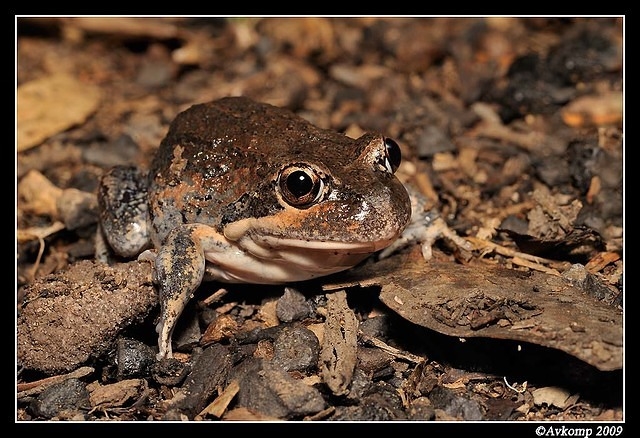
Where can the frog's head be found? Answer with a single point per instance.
(326, 212)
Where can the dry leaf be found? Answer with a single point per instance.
(51, 105)
(551, 396)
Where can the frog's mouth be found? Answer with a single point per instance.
(276, 260)
(259, 238)
(271, 252)
(323, 245)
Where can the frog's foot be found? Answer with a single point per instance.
(164, 341)
(439, 229)
(425, 232)
(425, 227)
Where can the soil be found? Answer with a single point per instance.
(512, 311)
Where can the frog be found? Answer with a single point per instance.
(242, 191)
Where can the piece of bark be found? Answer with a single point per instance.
(267, 389)
(208, 375)
(468, 301)
(339, 344)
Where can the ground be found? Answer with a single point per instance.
(510, 311)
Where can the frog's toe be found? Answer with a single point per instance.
(148, 255)
(164, 341)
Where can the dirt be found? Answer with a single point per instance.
(511, 128)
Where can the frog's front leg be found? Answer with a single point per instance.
(124, 213)
(179, 270)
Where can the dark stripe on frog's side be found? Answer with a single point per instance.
(203, 177)
(209, 160)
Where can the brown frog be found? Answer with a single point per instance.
(245, 192)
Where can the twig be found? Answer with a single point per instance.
(216, 296)
(34, 388)
(518, 257)
(391, 350)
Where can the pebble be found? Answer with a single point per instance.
(134, 358)
(268, 389)
(296, 349)
(64, 398)
(292, 306)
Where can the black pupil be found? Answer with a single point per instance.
(299, 183)
(393, 153)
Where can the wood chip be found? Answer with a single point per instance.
(116, 394)
(594, 110)
(218, 407)
(597, 263)
(223, 327)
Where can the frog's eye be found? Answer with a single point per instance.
(392, 156)
(300, 185)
